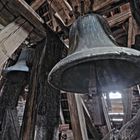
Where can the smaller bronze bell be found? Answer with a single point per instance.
(95, 55)
(20, 64)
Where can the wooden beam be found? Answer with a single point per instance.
(61, 8)
(90, 124)
(125, 7)
(65, 7)
(30, 113)
(48, 53)
(37, 3)
(6, 15)
(9, 10)
(10, 125)
(130, 32)
(61, 115)
(127, 104)
(95, 109)
(102, 4)
(75, 3)
(14, 84)
(77, 117)
(133, 30)
(106, 114)
(81, 116)
(11, 37)
(88, 5)
(68, 5)
(119, 18)
(29, 14)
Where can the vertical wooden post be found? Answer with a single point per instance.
(29, 118)
(133, 30)
(14, 84)
(43, 101)
(61, 115)
(90, 124)
(81, 116)
(49, 104)
(130, 32)
(106, 114)
(77, 117)
(127, 104)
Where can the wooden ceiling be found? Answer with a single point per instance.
(60, 14)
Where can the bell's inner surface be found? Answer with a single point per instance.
(111, 74)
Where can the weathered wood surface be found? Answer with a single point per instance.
(62, 8)
(12, 88)
(130, 131)
(29, 14)
(94, 107)
(11, 38)
(10, 127)
(90, 125)
(43, 99)
(75, 117)
(119, 18)
(49, 102)
(105, 110)
(81, 116)
(37, 3)
(127, 104)
(28, 125)
(130, 32)
(6, 16)
(16, 32)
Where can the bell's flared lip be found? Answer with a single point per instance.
(100, 53)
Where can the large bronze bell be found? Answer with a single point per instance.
(94, 55)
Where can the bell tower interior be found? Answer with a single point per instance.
(69, 69)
